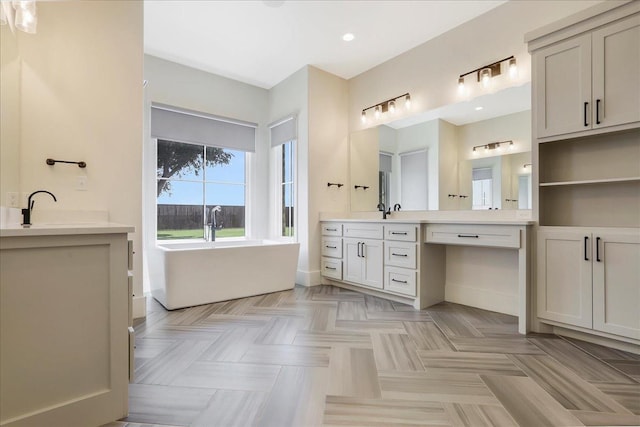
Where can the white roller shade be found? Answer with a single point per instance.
(385, 162)
(481, 173)
(181, 125)
(284, 131)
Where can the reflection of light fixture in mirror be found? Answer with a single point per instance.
(492, 146)
(23, 15)
(526, 165)
(513, 68)
(511, 145)
(486, 72)
(485, 75)
(392, 107)
(384, 106)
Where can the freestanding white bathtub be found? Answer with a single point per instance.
(188, 274)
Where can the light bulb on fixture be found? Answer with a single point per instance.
(475, 152)
(407, 102)
(486, 148)
(363, 117)
(377, 112)
(485, 75)
(392, 106)
(460, 84)
(513, 68)
(498, 147)
(511, 145)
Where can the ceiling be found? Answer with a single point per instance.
(263, 42)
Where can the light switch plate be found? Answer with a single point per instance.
(81, 183)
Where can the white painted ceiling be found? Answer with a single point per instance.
(264, 42)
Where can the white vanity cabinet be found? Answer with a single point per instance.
(363, 262)
(64, 316)
(331, 263)
(590, 80)
(401, 253)
(590, 278)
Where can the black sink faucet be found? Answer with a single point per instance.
(381, 208)
(26, 213)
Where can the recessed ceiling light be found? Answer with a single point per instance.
(348, 37)
(478, 108)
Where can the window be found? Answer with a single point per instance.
(201, 168)
(482, 185)
(200, 190)
(287, 186)
(283, 145)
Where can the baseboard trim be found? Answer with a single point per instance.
(308, 278)
(482, 298)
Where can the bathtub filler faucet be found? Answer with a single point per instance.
(26, 213)
(212, 224)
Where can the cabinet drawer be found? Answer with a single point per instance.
(332, 247)
(331, 229)
(473, 235)
(400, 254)
(332, 268)
(402, 232)
(363, 230)
(400, 280)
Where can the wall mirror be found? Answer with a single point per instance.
(428, 162)
(10, 117)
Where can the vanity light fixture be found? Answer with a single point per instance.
(486, 72)
(19, 14)
(384, 106)
(492, 146)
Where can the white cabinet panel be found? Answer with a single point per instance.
(616, 283)
(331, 229)
(332, 268)
(400, 254)
(363, 230)
(400, 280)
(363, 262)
(564, 275)
(563, 87)
(401, 232)
(473, 235)
(616, 73)
(332, 247)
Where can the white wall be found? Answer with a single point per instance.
(291, 96)
(430, 71)
(81, 87)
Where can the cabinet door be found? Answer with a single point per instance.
(563, 87)
(616, 284)
(353, 261)
(616, 73)
(373, 268)
(564, 275)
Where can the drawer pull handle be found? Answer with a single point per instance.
(474, 236)
(394, 254)
(332, 229)
(399, 233)
(331, 247)
(586, 243)
(399, 281)
(330, 268)
(586, 123)
(598, 249)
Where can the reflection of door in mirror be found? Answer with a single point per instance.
(384, 178)
(524, 191)
(482, 189)
(413, 180)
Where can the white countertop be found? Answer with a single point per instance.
(437, 221)
(16, 230)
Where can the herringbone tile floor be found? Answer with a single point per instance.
(328, 356)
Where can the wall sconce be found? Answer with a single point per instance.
(384, 106)
(19, 14)
(486, 72)
(493, 146)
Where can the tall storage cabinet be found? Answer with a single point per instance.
(586, 112)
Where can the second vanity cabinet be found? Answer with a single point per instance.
(590, 278)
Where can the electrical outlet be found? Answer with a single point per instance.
(81, 183)
(13, 200)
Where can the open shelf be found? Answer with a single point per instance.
(590, 181)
